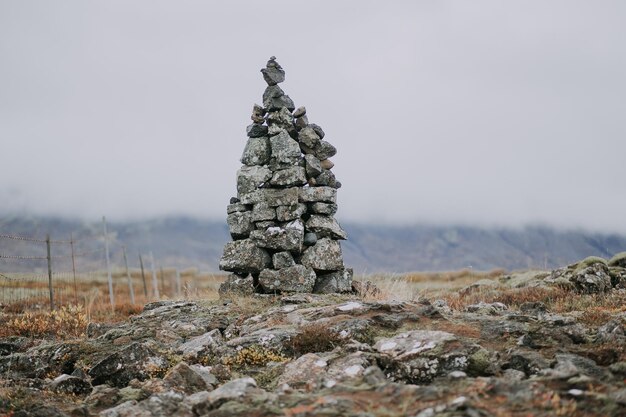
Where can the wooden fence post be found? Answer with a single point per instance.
(108, 264)
(130, 281)
(50, 273)
(143, 277)
(155, 284)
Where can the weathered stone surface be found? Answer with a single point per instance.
(189, 379)
(264, 224)
(326, 178)
(327, 164)
(297, 278)
(301, 122)
(66, 384)
(257, 114)
(420, 355)
(249, 178)
(310, 239)
(237, 285)
(300, 111)
(272, 197)
(244, 256)
(236, 207)
(323, 208)
(324, 150)
(289, 177)
(325, 226)
(282, 119)
(262, 212)
(317, 194)
(282, 260)
(325, 255)
(287, 238)
(236, 390)
(308, 137)
(207, 342)
(273, 73)
(288, 213)
(285, 151)
(592, 279)
(274, 99)
(256, 130)
(240, 224)
(257, 151)
(340, 281)
(136, 361)
(312, 166)
(318, 130)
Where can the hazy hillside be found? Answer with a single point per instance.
(186, 242)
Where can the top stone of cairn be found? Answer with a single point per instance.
(273, 73)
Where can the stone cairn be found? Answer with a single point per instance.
(285, 238)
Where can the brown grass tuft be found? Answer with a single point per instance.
(315, 338)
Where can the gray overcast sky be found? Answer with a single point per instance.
(481, 112)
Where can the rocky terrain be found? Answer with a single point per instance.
(540, 344)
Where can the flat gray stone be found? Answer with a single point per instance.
(325, 150)
(300, 111)
(288, 213)
(340, 281)
(308, 137)
(282, 260)
(274, 99)
(313, 166)
(325, 226)
(256, 130)
(235, 284)
(316, 194)
(297, 278)
(289, 177)
(240, 224)
(263, 212)
(244, 256)
(232, 208)
(257, 151)
(323, 208)
(325, 255)
(273, 197)
(286, 238)
(285, 150)
(318, 130)
(249, 178)
(326, 178)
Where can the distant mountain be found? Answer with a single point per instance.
(185, 242)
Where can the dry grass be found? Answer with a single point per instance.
(314, 338)
(68, 321)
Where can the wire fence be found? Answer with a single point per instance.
(42, 272)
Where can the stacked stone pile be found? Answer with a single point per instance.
(285, 236)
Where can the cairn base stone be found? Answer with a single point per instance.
(297, 278)
(287, 238)
(340, 281)
(244, 256)
(325, 255)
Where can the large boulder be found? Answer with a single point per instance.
(296, 278)
(136, 361)
(244, 256)
(591, 279)
(325, 255)
(286, 238)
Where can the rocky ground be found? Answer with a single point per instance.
(527, 344)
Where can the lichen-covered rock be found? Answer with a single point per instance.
(67, 384)
(282, 260)
(420, 355)
(136, 361)
(296, 278)
(334, 282)
(325, 255)
(236, 285)
(288, 213)
(273, 197)
(286, 238)
(273, 73)
(263, 212)
(324, 226)
(289, 177)
(249, 178)
(318, 194)
(323, 208)
(592, 279)
(190, 379)
(308, 137)
(256, 130)
(257, 151)
(210, 341)
(244, 256)
(240, 224)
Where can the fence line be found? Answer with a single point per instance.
(74, 270)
